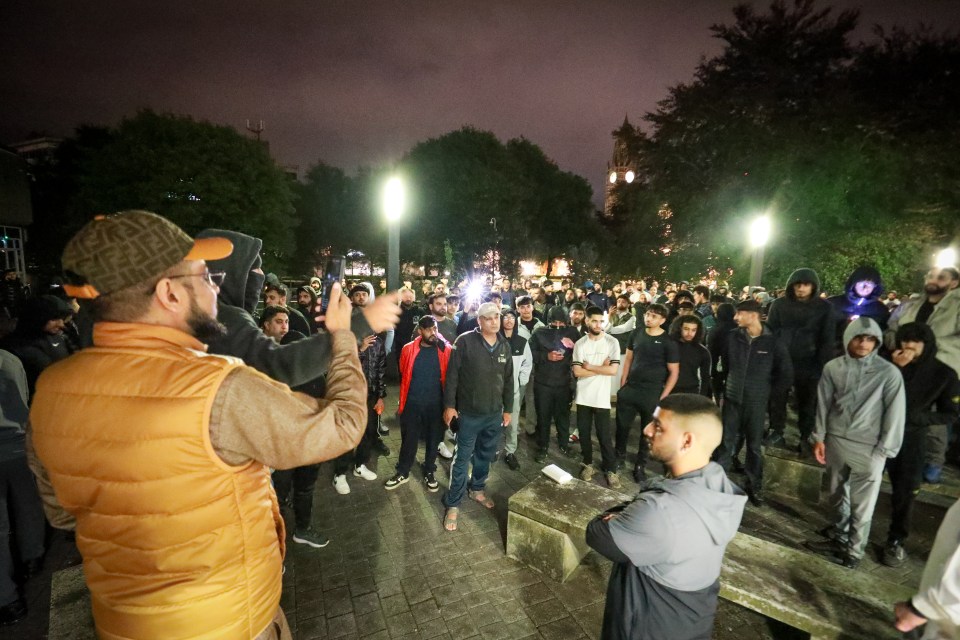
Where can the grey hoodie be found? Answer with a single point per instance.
(862, 399)
(677, 529)
(667, 547)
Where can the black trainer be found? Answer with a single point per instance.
(431, 482)
(395, 482)
(13, 612)
(894, 554)
(541, 456)
(512, 461)
(311, 538)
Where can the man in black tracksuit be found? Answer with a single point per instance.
(932, 395)
(651, 368)
(756, 364)
(552, 348)
(805, 324)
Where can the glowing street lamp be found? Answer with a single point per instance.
(759, 235)
(947, 258)
(394, 201)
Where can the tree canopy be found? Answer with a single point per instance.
(840, 143)
(197, 174)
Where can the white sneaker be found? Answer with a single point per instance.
(363, 472)
(444, 451)
(340, 484)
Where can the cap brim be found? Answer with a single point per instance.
(210, 249)
(86, 291)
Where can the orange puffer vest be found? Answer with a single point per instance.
(175, 542)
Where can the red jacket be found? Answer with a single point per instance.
(407, 358)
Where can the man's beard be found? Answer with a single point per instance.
(428, 340)
(203, 326)
(594, 332)
(933, 289)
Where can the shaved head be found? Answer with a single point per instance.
(684, 432)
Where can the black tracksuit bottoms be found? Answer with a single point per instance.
(587, 417)
(302, 480)
(361, 455)
(906, 474)
(633, 400)
(416, 421)
(745, 419)
(552, 403)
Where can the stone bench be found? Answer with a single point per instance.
(546, 523)
(808, 592)
(787, 474)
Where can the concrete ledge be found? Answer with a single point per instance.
(808, 592)
(71, 617)
(546, 523)
(787, 474)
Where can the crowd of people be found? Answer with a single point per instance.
(186, 466)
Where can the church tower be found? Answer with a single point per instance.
(623, 166)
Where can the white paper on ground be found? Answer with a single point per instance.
(557, 474)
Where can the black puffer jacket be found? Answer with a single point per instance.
(755, 368)
(806, 328)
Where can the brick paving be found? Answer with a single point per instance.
(391, 571)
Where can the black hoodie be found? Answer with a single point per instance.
(806, 328)
(848, 305)
(294, 364)
(36, 348)
(931, 386)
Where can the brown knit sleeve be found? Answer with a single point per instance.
(256, 418)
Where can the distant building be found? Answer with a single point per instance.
(37, 150)
(15, 211)
(623, 167)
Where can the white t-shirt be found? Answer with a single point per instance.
(595, 390)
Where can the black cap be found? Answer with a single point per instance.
(557, 314)
(750, 305)
(426, 322)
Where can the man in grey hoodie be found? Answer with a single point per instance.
(861, 412)
(668, 544)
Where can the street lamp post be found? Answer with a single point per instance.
(393, 204)
(759, 235)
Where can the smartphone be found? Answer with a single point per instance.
(332, 273)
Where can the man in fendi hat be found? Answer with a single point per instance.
(162, 452)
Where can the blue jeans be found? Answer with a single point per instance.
(477, 439)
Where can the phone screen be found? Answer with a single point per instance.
(332, 273)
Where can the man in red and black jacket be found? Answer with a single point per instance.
(423, 372)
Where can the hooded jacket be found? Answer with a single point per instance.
(806, 328)
(667, 547)
(848, 305)
(36, 348)
(308, 311)
(862, 399)
(294, 364)
(945, 322)
(544, 340)
(931, 387)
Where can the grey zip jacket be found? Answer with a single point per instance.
(862, 400)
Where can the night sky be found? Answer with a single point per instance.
(358, 83)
